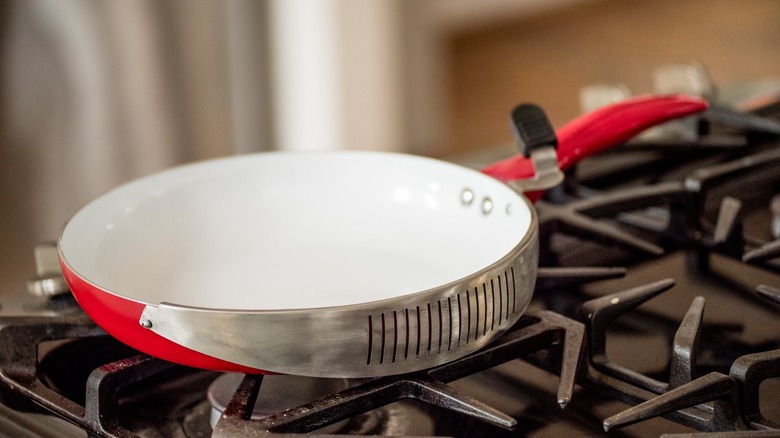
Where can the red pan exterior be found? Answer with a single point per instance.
(120, 318)
(600, 130)
(590, 134)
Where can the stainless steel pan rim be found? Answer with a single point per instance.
(431, 260)
(352, 320)
(390, 336)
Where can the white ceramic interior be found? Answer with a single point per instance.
(293, 230)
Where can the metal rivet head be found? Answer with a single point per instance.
(467, 197)
(145, 323)
(487, 205)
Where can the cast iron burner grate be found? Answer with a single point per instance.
(101, 413)
(698, 213)
(574, 350)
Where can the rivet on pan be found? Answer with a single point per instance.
(487, 205)
(145, 323)
(467, 197)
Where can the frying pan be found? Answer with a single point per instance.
(336, 264)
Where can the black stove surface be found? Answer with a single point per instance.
(657, 311)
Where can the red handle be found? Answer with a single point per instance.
(602, 129)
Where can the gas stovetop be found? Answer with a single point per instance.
(656, 311)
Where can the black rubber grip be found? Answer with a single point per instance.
(532, 128)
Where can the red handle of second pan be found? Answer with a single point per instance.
(602, 129)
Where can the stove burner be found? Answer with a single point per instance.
(701, 290)
(537, 331)
(279, 394)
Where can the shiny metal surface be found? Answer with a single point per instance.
(280, 393)
(467, 197)
(547, 175)
(391, 336)
(49, 281)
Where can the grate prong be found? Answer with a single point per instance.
(769, 293)
(686, 343)
(764, 252)
(713, 387)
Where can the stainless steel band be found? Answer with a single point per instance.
(393, 336)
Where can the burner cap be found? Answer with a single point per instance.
(277, 393)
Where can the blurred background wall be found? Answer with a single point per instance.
(93, 94)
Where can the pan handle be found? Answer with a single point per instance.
(537, 141)
(600, 130)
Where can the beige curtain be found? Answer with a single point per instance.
(95, 93)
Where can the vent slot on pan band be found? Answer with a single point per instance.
(410, 333)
